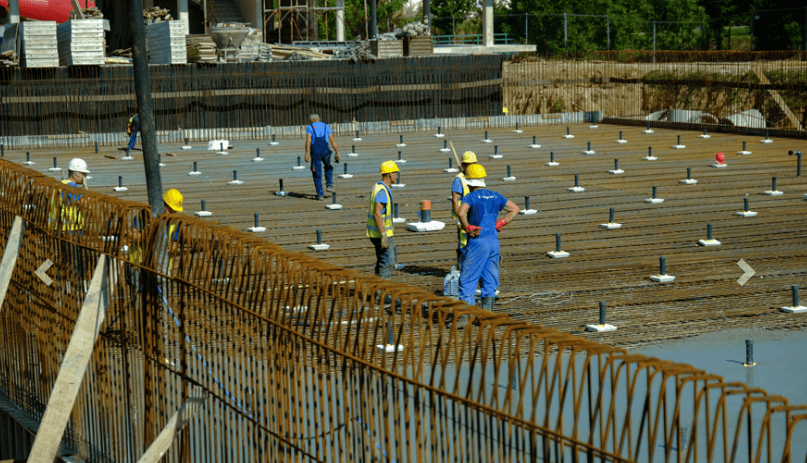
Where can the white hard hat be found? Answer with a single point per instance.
(78, 165)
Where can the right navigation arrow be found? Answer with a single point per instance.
(749, 272)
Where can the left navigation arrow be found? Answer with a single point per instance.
(42, 272)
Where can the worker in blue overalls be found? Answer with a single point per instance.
(478, 213)
(131, 129)
(318, 134)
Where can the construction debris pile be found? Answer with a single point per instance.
(415, 29)
(357, 50)
(157, 14)
(296, 53)
(253, 48)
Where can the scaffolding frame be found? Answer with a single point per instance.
(294, 14)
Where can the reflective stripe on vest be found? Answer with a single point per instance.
(465, 191)
(372, 230)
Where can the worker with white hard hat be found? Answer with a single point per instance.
(478, 213)
(379, 221)
(66, 218)
(459, 189)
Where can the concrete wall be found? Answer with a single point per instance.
(252, 11)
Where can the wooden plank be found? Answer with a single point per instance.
(778, 99)
(10, 256)
(177, 422)
(76, 359)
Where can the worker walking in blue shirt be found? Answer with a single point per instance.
(459, 188)
(379, 221)
(318, 134)
(478, 213)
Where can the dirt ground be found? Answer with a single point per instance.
(564, 86)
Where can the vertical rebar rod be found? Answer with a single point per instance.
(557, 242)
(203, 206)
(256, 220)
(526, 203)
(319, 236)
(662, 261)
(508, 170)
(611, 215)
(745, 204)
(689, 173)
(795, 290)
(654, 192)
(749, 352)
(576, 180)
(773, 183)
(709, 232)
(602, 312)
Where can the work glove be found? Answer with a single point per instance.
(473, 231)
(384, 241)
(500, 224)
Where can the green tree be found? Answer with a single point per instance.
(444, 10)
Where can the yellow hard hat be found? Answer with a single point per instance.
(475, 175)
(468, 157)
(389, 166)
(173, 198)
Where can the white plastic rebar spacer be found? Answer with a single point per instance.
(357, 139)
(517, 131)
(389, 348)
(610, 226)
(345, 175)
(589, 152)
(766, 141)
(568, 136)
(203, 213)
(654, 200)
(195, 172)
(679, 147)
(401, 145)
(400, 161)
(496, 156)
(281, 193)
(553, 164)
(616, 172)
(704, 136)
(709, 242)
(352, 155)
(509, 179)
(319, 247)
(439, 135)
(274, 143)
(123, 158)
(256, 229)
(774, 193)
(535, 146)
(576, 189)
(650, 158)
(487, 141)
(333, 207)
(622, 141)
(223, 153)
(793, 309)
(186, 147)
(595, 126)
(399, 220)
(719, 166)
(557, 255)
(662, 278)
(744, 153)
(120, 188)
(235, 182)
(257, 159)
(689, 181)
(600, 328)
(746, 213)
(445, 150)
(434, 225)
(647, 131)
(528, 211)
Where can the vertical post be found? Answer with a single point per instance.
(709, 232)
(662, 261)
(565, 34)
(749, 352)
(745, 204)
(557, 242)
(487, 35)
(654, 41)
(795, 291)
(526, 203)
(145, 107)
(508, 170)
(373, 20)
(281, 184)
(689, 173)
(319, 236)
(14, 12)
(608, 31)
(773, 183)
(395, 210)
(427, 13)
(204, 208)
(256, 220)
(602, 312)
(611, 215)
(654, 192)
(576, 180)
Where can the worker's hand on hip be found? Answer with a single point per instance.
(473, 231)
(500, 224)
(306, 157)
(384, 241)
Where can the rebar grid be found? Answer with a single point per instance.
(288, 348)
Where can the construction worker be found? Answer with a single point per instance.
(172, 201)
(65, 216)
(316, 140)
(478, 213)
(379, 221)
(459, 188)
(131, 129)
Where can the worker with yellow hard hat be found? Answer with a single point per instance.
(172, 201)
(459, 188)
(478, 213)
(379, 220)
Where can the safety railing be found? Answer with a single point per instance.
(272, 355)
(499, 38)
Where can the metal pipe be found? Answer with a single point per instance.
(798, 160)
(557, 242)
(533, 140)
(662, 261)
(496, 150)
(256, 220)
(54, 163)
(795, 291)
(203, 206)
(589, 146)
(449, 164)
(654, 192)
(334, 198)
(576, 180)
(611, 215)
(689, 173)
(145, 107)
(281, 184)
(257, 152)
(551, 156)
(194, 167)
(616, 164)
(749, 352)
(745, 204)
(709, 232)
(526, 203)
(298, 161)
(486, 134)
(120, 182)
(346, 168)
(319, 236)
(508, 169)
(602, 312)
(773, 183)
(235, 175)
(96, 147)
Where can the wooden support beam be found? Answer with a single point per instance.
(74, 366)
(10, 256)
(163, 442)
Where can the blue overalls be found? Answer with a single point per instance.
(320, 153)
(135, 122)
(482, 255)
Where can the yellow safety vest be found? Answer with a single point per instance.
(70, 215)
(465, 191)
(372, 229)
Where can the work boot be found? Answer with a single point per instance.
(330, 189)
(487, 303)
(320, 198)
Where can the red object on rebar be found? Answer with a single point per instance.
(721, 158)
(47, 10)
